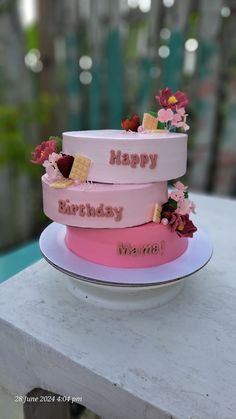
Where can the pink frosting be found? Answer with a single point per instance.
(115, 206)
(129, 157)
(138, 247)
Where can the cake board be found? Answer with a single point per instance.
(123, 288)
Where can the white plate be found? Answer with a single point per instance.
(54, 250)
(123, 289)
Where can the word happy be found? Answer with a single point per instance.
(86, 210)
(133, 160)
(127, 249)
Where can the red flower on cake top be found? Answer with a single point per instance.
(172, 114)
(175, 101)
(131, 123)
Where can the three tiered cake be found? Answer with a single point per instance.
(109, 187)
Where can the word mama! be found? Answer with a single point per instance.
(127, 249)
(86, 210)
(133, 160)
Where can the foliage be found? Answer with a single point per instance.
(6, 5)
(32, 36)
(18, 124)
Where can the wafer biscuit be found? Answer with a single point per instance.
(157, 213)
(80, 168)
(62, 183)
(149, 122)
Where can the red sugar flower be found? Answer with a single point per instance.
(175, 221)
(168, 100)
(131, 123)
(183, 226)
(187, 228)
(43, 151)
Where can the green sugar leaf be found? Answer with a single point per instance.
(154, 114)
(161, 125)
(172, 203)
(59, 142)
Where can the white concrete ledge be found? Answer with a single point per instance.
(177, 360)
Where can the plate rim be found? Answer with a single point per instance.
(108, 283)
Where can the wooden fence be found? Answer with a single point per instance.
(134, 53)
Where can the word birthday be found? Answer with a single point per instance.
(127, 249)
(133, 160)
(86, 210)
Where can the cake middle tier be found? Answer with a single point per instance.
(99, 205)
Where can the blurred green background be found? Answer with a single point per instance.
(85, 64)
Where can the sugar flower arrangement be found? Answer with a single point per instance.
(170, 117)
(49, 155)
(175, 212)
(62, 169)
(172, 113)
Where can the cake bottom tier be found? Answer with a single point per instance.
(134, 247)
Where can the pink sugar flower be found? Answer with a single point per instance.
(175, 221)
(176, 119)
(179, 119)
(179, 114)
(177, 195)
(183, 207)
(141, 129)
(181, 124)
(179, 185)
(165, 115)
(193, 207)
(185, 126)
(51, 167)
(43, 150)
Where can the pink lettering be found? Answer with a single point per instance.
(82, 211)
(126, 249)
(115, 157)
(90, 211)
(134, 160)
(62, 206)
(153, 158)
(144, 159)
(100, 211)
(74, 209)
(125, 159)
(109, 212)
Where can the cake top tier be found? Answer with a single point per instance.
(116, 134)
(151, 151)
(117, 156)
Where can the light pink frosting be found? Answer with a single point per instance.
(166, 154)
(131, 204)
(138, 247)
